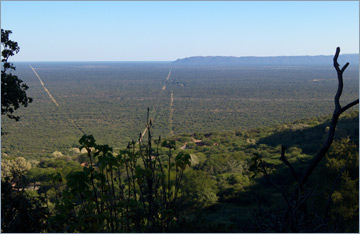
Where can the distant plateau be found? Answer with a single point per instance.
(267, 61)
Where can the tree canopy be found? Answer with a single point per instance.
(13, 90)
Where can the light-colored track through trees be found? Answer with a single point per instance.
(167, 79)
(55, 102)
(46, 90)
(155, 111)
(171, 113)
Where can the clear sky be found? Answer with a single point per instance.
(165, 31)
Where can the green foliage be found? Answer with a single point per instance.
(199, 189)
(245, 191)
(13, 167)
(13, 90)
(136, 190)
(37, 174)
(145, 188)
(221, 163)
(345, 202)
(21, 212)
(182, 160)
(231, 185)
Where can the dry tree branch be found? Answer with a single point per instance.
(337, 112)
(351, 104)
(300, 197)
(293, 218)
(287, 163)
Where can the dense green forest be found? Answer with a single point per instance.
(109, 100)
(201, 182)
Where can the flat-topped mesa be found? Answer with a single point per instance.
(267, 61)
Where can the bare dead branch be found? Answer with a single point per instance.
(287, 163)
(296, 217)
(348, 106)
(337, 52)
(339, 90)
(337, 112)
(344, 67)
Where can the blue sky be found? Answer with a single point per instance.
(165, 31)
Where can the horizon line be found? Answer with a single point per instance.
(65, 61)
(164, 61)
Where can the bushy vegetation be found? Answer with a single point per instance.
(137, 190)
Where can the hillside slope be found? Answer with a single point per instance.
(222, 191)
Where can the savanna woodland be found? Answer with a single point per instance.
(297, 175)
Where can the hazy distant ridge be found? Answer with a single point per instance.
(278, 60)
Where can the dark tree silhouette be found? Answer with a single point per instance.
(335, 117)
(13, 90)
(21, 212)
(296, 217)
